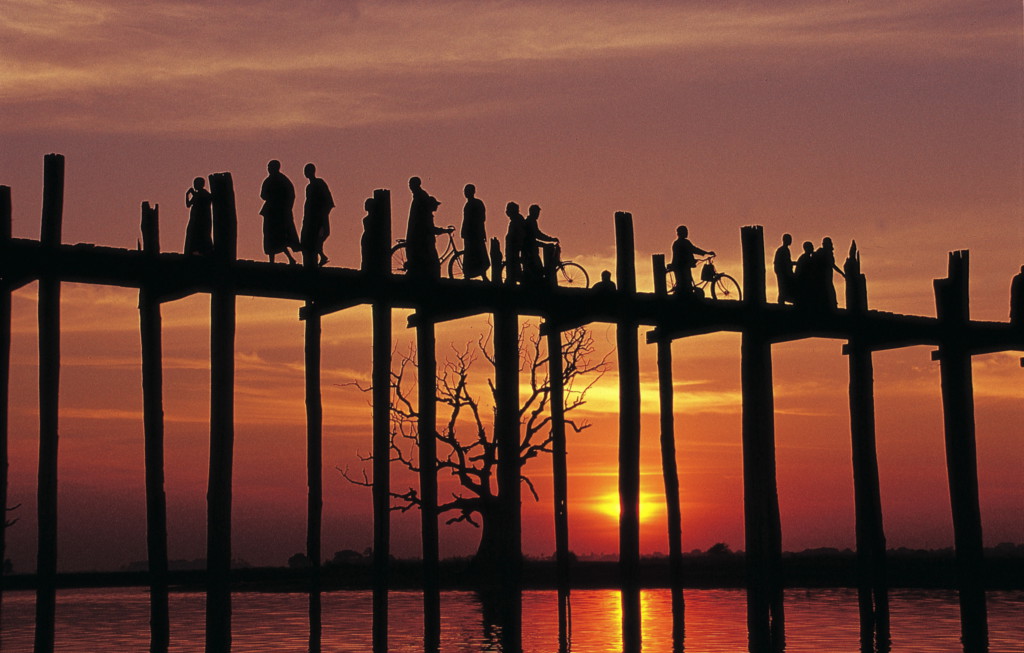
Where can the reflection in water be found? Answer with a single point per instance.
(923, 621)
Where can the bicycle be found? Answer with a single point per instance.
(451, 255)
(722, 285)
(567, 273)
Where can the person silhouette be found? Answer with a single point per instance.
(824, 263)
(803, 283)
(474, 236)
(198, 232)
(1017, 299)
(605, 285)
(369, 246)
(278, 195)
(783, 265)
(533, 267)
(421, 234)
(316, 226)
(514, 239)
(684, 259)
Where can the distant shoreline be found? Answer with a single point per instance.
(914, 569)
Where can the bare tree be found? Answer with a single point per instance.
(467, 449)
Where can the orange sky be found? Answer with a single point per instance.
(899, 126)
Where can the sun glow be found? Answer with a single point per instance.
(608, 505)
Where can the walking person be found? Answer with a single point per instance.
(684, 259)
(784, 270)
(514, 239)
(316, 226)
(278, 195)
(474, 236)
(533, 267)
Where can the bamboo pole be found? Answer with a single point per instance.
(953, 308)
(669, 468)
(222, 434)
(49, 398)
(381, 379)
(629, 438)
(5, 379)
(763, 533)
(559, 466)
(150, 327)
(872, 588)
(427, 426)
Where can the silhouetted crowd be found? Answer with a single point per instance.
(805, 282)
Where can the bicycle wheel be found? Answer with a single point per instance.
(455, 266)
(573, 275)
(725, 287)
(398, 257)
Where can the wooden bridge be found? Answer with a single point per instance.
(162, 277)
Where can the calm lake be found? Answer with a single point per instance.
(816, 620)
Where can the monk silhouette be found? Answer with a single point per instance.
(421, 234)
(824, 263)
(198, 232)
(803, 276)
(783, 265)
(514, 239)
(1017, 299)
(605, 285)
(474, 236)
(316, 226)
(278, 195)
(684, 259)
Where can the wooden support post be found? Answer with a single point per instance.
(427, 427)
(49, 401)
(872, 585)
(381, 380)
(629, 438)
(559, 466)
(765, 617)
(953, 310)
(669, 468)
(222, 432)
(5, 376)
(508, 438)
(314, 467)
(150, 327)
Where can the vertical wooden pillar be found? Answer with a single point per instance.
(49, 396)
(953, 307)
(763, 531)
(314, 463)
(669, 468)
(508, 438)
(150, 327)
(5, 377)
(629, 438)
(427, 426)
(559, 454)
(872, 586)
(381, 379)
(222, 430)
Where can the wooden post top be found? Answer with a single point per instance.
(53, 199)
(624, 262)
(752, 240)
(5, 212)
(150, 229)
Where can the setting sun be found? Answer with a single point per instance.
(650, 504)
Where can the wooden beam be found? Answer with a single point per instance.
(222, 430)
(626, 336)
(763, 533)
(49, 402)
(953, 309)
(669, 469)
(151, 333)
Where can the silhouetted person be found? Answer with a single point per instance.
(684, 259)
(278, 195)
(474, 236)
(605, 285)
(824, 263)
(514, 239)
(421, 234)
(533, 267)
(316, 226)
(803, 276)
(1017, 299)
(370, 245)
(783, 265)
(199, 231)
